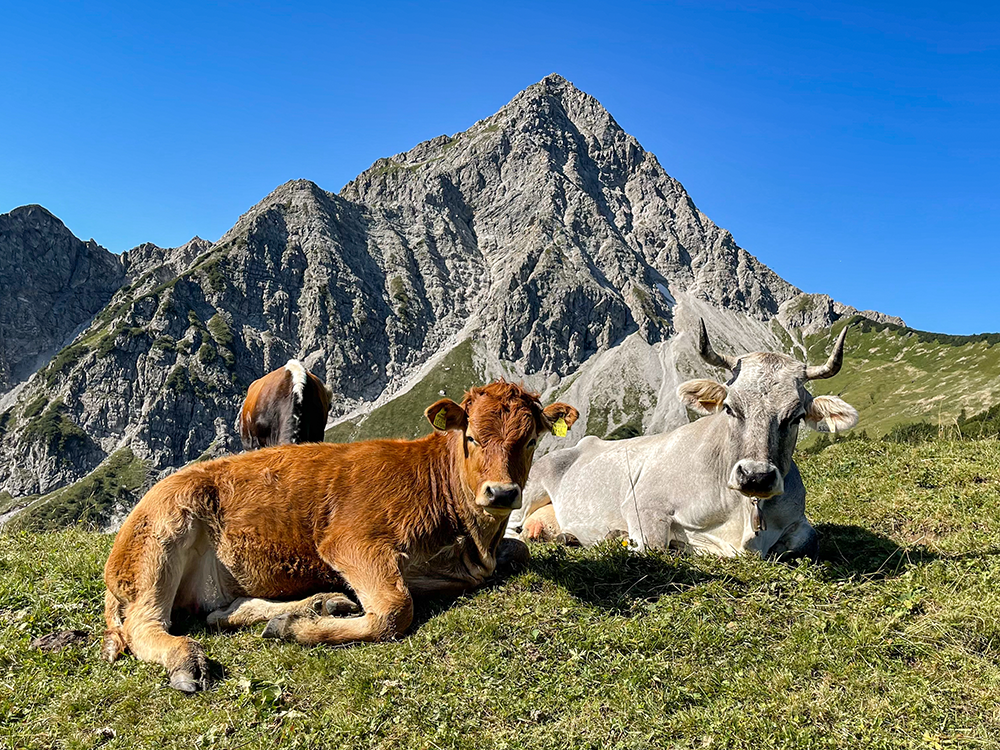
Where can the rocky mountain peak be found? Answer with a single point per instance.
(51, 282)
(164, 263)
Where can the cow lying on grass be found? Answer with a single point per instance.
(723, 484)
(288, 405)
(274, 535)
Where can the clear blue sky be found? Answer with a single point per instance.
(855, 150)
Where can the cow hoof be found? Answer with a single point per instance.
(336, 605)
(340, 606)
(277, 627)
(567, 540)
(193, 675)
(113, 646)
(184, 683)
(512, 555)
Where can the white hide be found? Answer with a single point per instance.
(661, 490)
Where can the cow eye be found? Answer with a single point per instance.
(472, 440)
(531, 443)
(728, 409)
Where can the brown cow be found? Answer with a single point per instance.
(288, 405)
(266, 536)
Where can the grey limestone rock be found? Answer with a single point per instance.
(52, 283)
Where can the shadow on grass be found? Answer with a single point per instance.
(616, 579)
(854, 551)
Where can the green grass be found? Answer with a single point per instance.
(403, 417)
(894, 375)
(35, 407)
(166, 343)
(178, 380)
(62, 362)
(9, 502)
(388, 167)
(206, 354)
(218, 326)
(891, 641)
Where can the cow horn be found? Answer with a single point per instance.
(832, 366)
(709, 354)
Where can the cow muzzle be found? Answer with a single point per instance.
(758, 479)
(500, 497)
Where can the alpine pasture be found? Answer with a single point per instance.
(890, 641)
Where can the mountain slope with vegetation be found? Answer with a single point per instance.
(896, 375)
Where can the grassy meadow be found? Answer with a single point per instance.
(892, 640)
(895, 376)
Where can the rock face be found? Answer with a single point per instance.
(544, 240)
(50, 284)
(566, 234)
(163, 263)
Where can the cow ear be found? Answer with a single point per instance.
(446, 415)
(559, 417)
(831, 414)
(702, 396)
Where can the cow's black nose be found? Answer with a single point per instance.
(756, 478)
(503, 496)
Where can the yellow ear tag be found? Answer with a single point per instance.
(441, 420)
(559, 428)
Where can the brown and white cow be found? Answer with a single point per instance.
(273, 535)
(288, 405)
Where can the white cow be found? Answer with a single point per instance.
(724, 484)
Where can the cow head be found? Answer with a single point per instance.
(499, 426)
(763, 404)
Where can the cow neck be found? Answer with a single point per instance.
(719, 460)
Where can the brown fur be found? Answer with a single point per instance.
(241, 536)
(271, 416)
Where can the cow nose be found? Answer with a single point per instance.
(502, 496)
(756, 478)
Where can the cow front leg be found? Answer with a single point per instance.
(384, 596)
(541, 526)
(799, 540)
(250, 611)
